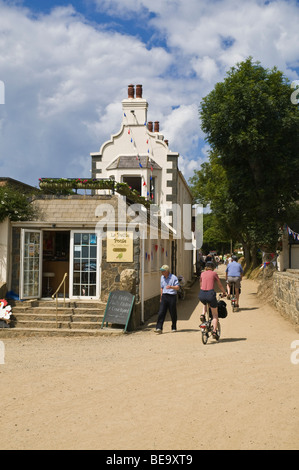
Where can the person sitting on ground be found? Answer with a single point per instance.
(207, 294)
(234, 274)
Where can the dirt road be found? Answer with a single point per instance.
(147, 392)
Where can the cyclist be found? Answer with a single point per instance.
(207, 294)
(234, 274)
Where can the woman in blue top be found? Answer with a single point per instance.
(234, 273)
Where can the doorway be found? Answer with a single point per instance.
(56, 261)
(47, 255)
(84, 265)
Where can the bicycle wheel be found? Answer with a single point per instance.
(204, 338)
(233, 297)
(218, 330)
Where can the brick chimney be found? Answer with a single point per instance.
(138, 91)
(134, 110)
(131, 91)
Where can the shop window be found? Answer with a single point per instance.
(134, 182)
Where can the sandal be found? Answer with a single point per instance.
(215, 335)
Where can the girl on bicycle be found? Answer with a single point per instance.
(207, 294)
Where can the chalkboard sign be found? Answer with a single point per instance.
(119, 308)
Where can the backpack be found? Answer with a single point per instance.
(222, 310)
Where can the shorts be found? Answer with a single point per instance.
(208, 297)
(235, 280)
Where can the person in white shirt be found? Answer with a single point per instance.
(169, 288)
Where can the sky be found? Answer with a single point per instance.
(65, 68)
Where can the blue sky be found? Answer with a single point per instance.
(66, 67)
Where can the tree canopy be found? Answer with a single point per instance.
(251, 179)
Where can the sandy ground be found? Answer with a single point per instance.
(141, 391)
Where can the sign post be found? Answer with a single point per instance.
(119, 308)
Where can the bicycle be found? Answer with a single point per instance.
(207, 327)
(181, 291)
(233, 296)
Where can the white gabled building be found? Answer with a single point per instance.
(140, 156)
(64, 240)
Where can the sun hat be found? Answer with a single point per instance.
(164, 268)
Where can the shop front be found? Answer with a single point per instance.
(47, 255)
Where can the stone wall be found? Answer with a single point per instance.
(286, 294)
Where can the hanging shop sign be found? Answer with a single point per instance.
(119, 247)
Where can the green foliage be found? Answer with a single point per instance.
(252, 128)
(65, 186)
(215, 238)
(14, 205)
(210, 187)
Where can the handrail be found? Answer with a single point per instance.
(56, 293)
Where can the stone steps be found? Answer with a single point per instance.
(62, 332)
(36, 318)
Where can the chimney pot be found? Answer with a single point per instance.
(138, 91)
(157, 126)
(166, 142)
(131, 91)
(150, 126)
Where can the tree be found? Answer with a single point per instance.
(214, 237)
(14, 204)
(252, 128)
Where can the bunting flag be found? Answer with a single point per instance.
(293, 234)
(148, 141)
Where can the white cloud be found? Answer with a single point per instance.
(62, 76)
(222, 31)
(181, 128)
(65, 77)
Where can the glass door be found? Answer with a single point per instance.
(31, 264)
(84, 272)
